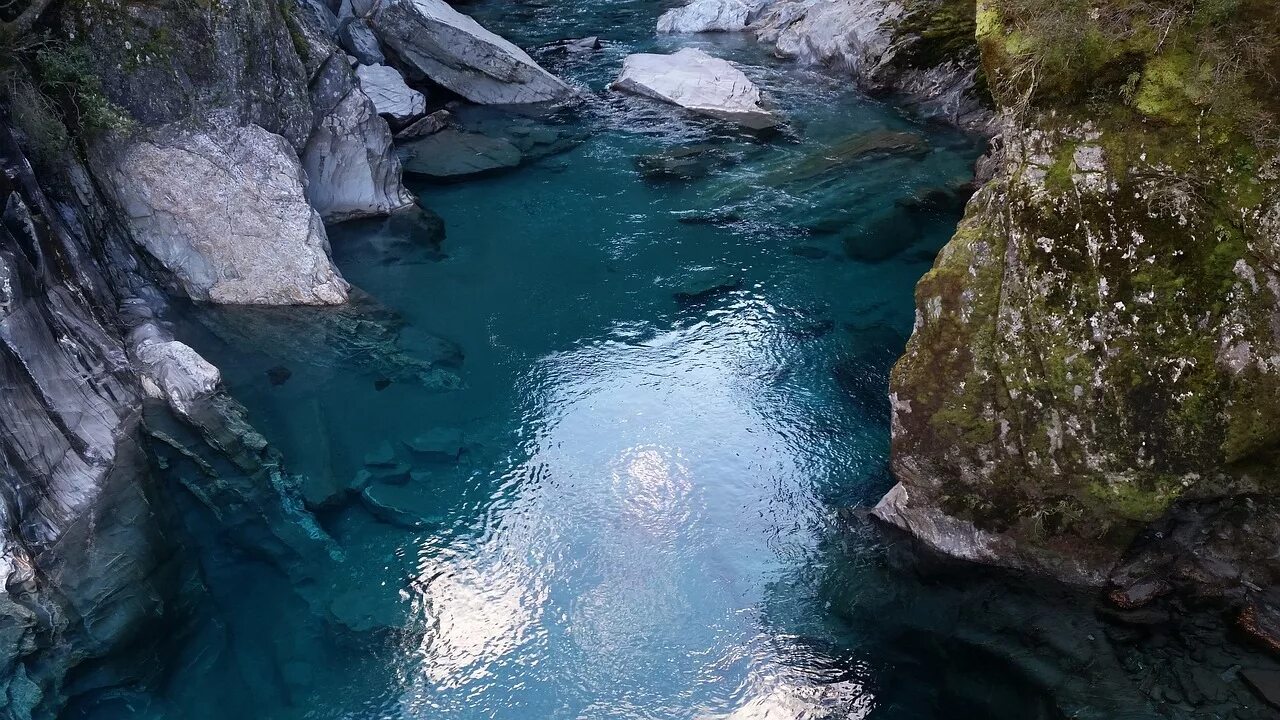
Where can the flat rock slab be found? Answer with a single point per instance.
(703, 285)
(391, 96)
(699, 82)
(455, 51)
(438, 444)
(407, 506)
(1266, 683)
(453, 154)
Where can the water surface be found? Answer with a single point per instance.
(671, 399)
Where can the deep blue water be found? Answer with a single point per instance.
(655, 509)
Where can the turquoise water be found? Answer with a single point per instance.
(662, 403)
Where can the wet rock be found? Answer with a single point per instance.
(810, 252)
(1261, 621)
(431, 124)
(1139, 594)
(703, 285)
(322, 491)
(363, 610)
(708, 16)
(1266, 683)
(683, 163)
(390, 95)
(453, 50)
(699, 82)
(223, 208)
(351, 167)
(358, 39)
(173, 372)
(438, 444)
(279, 375)
(397, 474)
(846, 153)
(574, 46)
(452, 154)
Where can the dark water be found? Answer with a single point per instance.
(664, 403)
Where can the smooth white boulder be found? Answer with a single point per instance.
(708, 16)
(699, 82)
(223, 208)
(454, 50)
(391, 96)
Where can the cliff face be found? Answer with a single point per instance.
(1097, 348)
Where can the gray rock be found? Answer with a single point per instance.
(1266, 683)
(386, 87)
(703, 285)
(708, 16)
(358, 39)
(452, 154)
(429, 125)
(438, 444)
(351, 167)
(395, 505)
(455, 51)
(173, 372)
(699, 82)
(382, 456)
(223, 208)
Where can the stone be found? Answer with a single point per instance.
(173, 372)
(699, 82)
(429, 125)
(392, 98)
(453, 154)
(1266, 683)
(390, 504)
(703, 285)
(382, 456)
(850, 151)
(438, 444)
(223, 208)
(453, 50)
(359, 40)
(397, 474)
(279, 375)
(320, 491)
(352, 169)
(683, 163)
(707, 16)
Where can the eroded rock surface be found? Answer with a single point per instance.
(223, 208)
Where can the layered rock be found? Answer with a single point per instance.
(352, 169)
(453, 50)
(222, 207)
(699, 82)
(1093, 357)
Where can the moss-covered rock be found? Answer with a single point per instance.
(1101, 339)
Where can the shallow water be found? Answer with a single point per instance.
(653, 512)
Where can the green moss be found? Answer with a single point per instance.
(1138, 500)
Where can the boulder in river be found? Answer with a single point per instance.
(453, 154)
(699, 82)
(223, 208)
(708, 16)
(453, 50)
(392, 97)
(682, 163)
(429, 125)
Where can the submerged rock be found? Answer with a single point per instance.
(699, 82)
(453, 154)
(222, 207)
(702, 285)
(390, 95)
(709, 16)
(683, 163)
(438, 444)
(399, 505)
(453, 50)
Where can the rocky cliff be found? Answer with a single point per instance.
(1093, 369)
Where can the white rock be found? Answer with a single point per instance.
(385, 86)
(455, 51)
(223, 207)
(853, 35)
(173, 372)
(707, 16)
(695, 80)
(351, 167)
